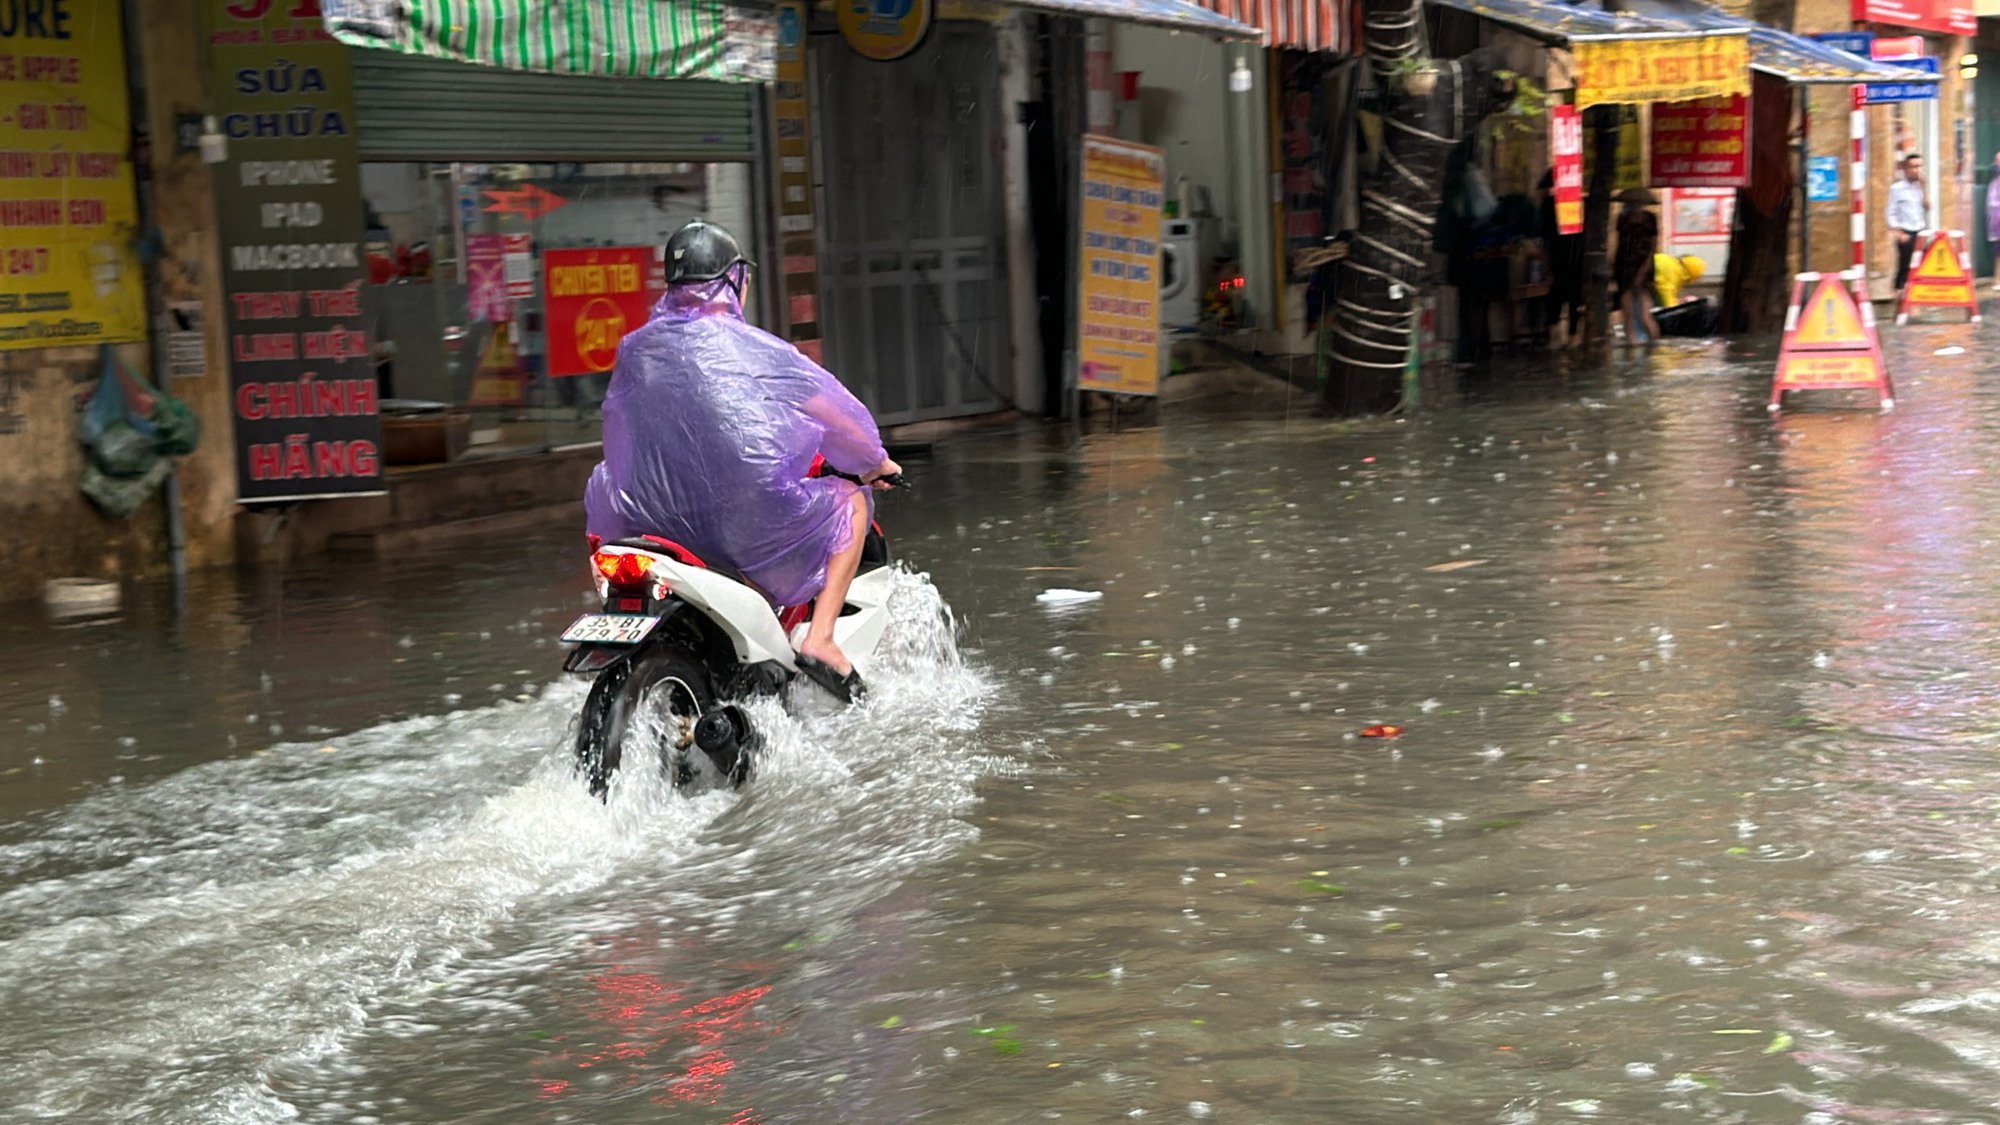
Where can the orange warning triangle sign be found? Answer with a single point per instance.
(1940, 279)
(1830, 341)
(1939, 263)
(1829, 319)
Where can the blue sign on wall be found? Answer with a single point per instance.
(1822, 178)
(1880, 92)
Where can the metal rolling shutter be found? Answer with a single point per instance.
(416, 108)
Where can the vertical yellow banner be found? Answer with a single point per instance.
(1118, 306)
(68, 274)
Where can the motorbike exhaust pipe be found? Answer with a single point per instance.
(726, 736)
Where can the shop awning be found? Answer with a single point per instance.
(711, 39)
(1591, 30)
(1302, 25)
(607, 38)
(1627, 56)
(1553, 21)
(1179, 15)
(1796, 58)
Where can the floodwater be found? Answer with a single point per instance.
(1692, 815)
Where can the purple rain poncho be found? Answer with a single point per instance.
(710, 426)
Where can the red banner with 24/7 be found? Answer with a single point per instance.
(592, 299)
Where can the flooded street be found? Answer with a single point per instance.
(1692, 814)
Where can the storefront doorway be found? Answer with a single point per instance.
(914, 270)
(486, 190)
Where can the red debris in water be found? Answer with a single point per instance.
(1381, 730)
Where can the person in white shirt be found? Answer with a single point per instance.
(1907, 214)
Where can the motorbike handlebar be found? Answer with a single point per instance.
(893, 480)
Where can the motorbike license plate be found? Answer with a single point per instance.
(609, 629)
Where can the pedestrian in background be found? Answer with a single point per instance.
(1565, 254)
(1909, 207)
(1993, 218)
(1632, 265)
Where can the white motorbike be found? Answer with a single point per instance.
(676, 635)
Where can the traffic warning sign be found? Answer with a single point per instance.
(1830, 340)
(1940, 276)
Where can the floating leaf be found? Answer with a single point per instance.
(1708, 1080)
(1565, 717)
(891, 1023)
(1116, 799)
(1316, 887)
(1782, 1041)
(1738, 1031)
(1497, 823)
(1739, 850)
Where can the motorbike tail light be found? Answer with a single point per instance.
(623, 570)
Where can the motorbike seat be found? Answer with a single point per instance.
(682, 555)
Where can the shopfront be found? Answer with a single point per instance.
(514, 226)
(428, 257)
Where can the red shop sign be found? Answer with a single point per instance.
(1946, 17)
(1702, 143)
(592, 299)
(1566, 160)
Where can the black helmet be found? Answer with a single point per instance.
(701, 251)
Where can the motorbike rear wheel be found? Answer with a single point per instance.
(649, 701)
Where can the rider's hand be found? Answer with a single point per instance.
(873, 478)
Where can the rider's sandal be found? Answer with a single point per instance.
(847, 689)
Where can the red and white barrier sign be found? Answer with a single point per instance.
(1940, 276)
(1830, 340)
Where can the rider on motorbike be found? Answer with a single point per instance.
(710, 427)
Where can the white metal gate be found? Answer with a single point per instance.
(913, 268)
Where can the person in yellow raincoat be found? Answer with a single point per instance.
(1671, 273)
(1678, 317)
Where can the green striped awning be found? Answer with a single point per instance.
(609, 38)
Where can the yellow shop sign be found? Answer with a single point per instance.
(1673, 69)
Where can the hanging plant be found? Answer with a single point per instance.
(1415, 76)
(1525, 98)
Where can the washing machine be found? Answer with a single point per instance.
(1187, 251)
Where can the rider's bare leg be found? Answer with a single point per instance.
(818, 642)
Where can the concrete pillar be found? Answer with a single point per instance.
(1249, 119)
(1014, 41)
(175, 67)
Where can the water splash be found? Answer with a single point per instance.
(256, 917)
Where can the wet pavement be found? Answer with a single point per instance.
(1691, 815)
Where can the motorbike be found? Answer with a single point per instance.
(677, 636)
